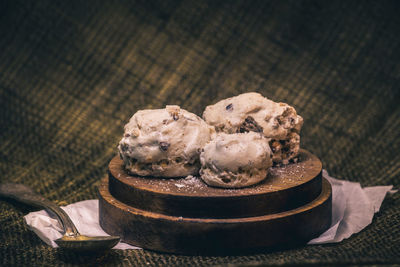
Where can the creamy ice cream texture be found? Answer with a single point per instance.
(164, 142)
(252, 131)
(278, 122)
(235, 160)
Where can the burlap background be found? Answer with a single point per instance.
(72, 73)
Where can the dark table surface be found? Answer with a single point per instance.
(72, 73)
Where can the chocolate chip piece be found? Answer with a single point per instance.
(188, 165)
(175, 116)
(219, 128)
(225, 180)
(248, 125)
(127, 135)
(275, 145)
(275, 123)
(124, 148)
(229, 107)
(164, 146)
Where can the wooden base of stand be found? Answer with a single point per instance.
(185, 216)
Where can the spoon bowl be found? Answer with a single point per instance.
(87, 243)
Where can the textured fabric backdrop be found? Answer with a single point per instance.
(73, 72)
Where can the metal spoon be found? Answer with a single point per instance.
(72, 239)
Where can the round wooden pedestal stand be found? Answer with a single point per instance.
(185, 216)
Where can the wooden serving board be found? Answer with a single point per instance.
(292, 206)
(285, 188)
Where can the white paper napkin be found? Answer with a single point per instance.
(85, 216)
(353, 208)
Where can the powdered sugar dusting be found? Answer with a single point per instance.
(289, 174)
(190, 184)
(279, 178)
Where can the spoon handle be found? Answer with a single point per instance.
(26, 195)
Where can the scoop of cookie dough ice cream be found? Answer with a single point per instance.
(252, 112)
(164, 142)
(235, 160)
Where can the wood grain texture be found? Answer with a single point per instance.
(185, 216)
(285, 188)
(214, 236)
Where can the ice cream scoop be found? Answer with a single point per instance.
(252, 112)
(164, 142)
(235, 160)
